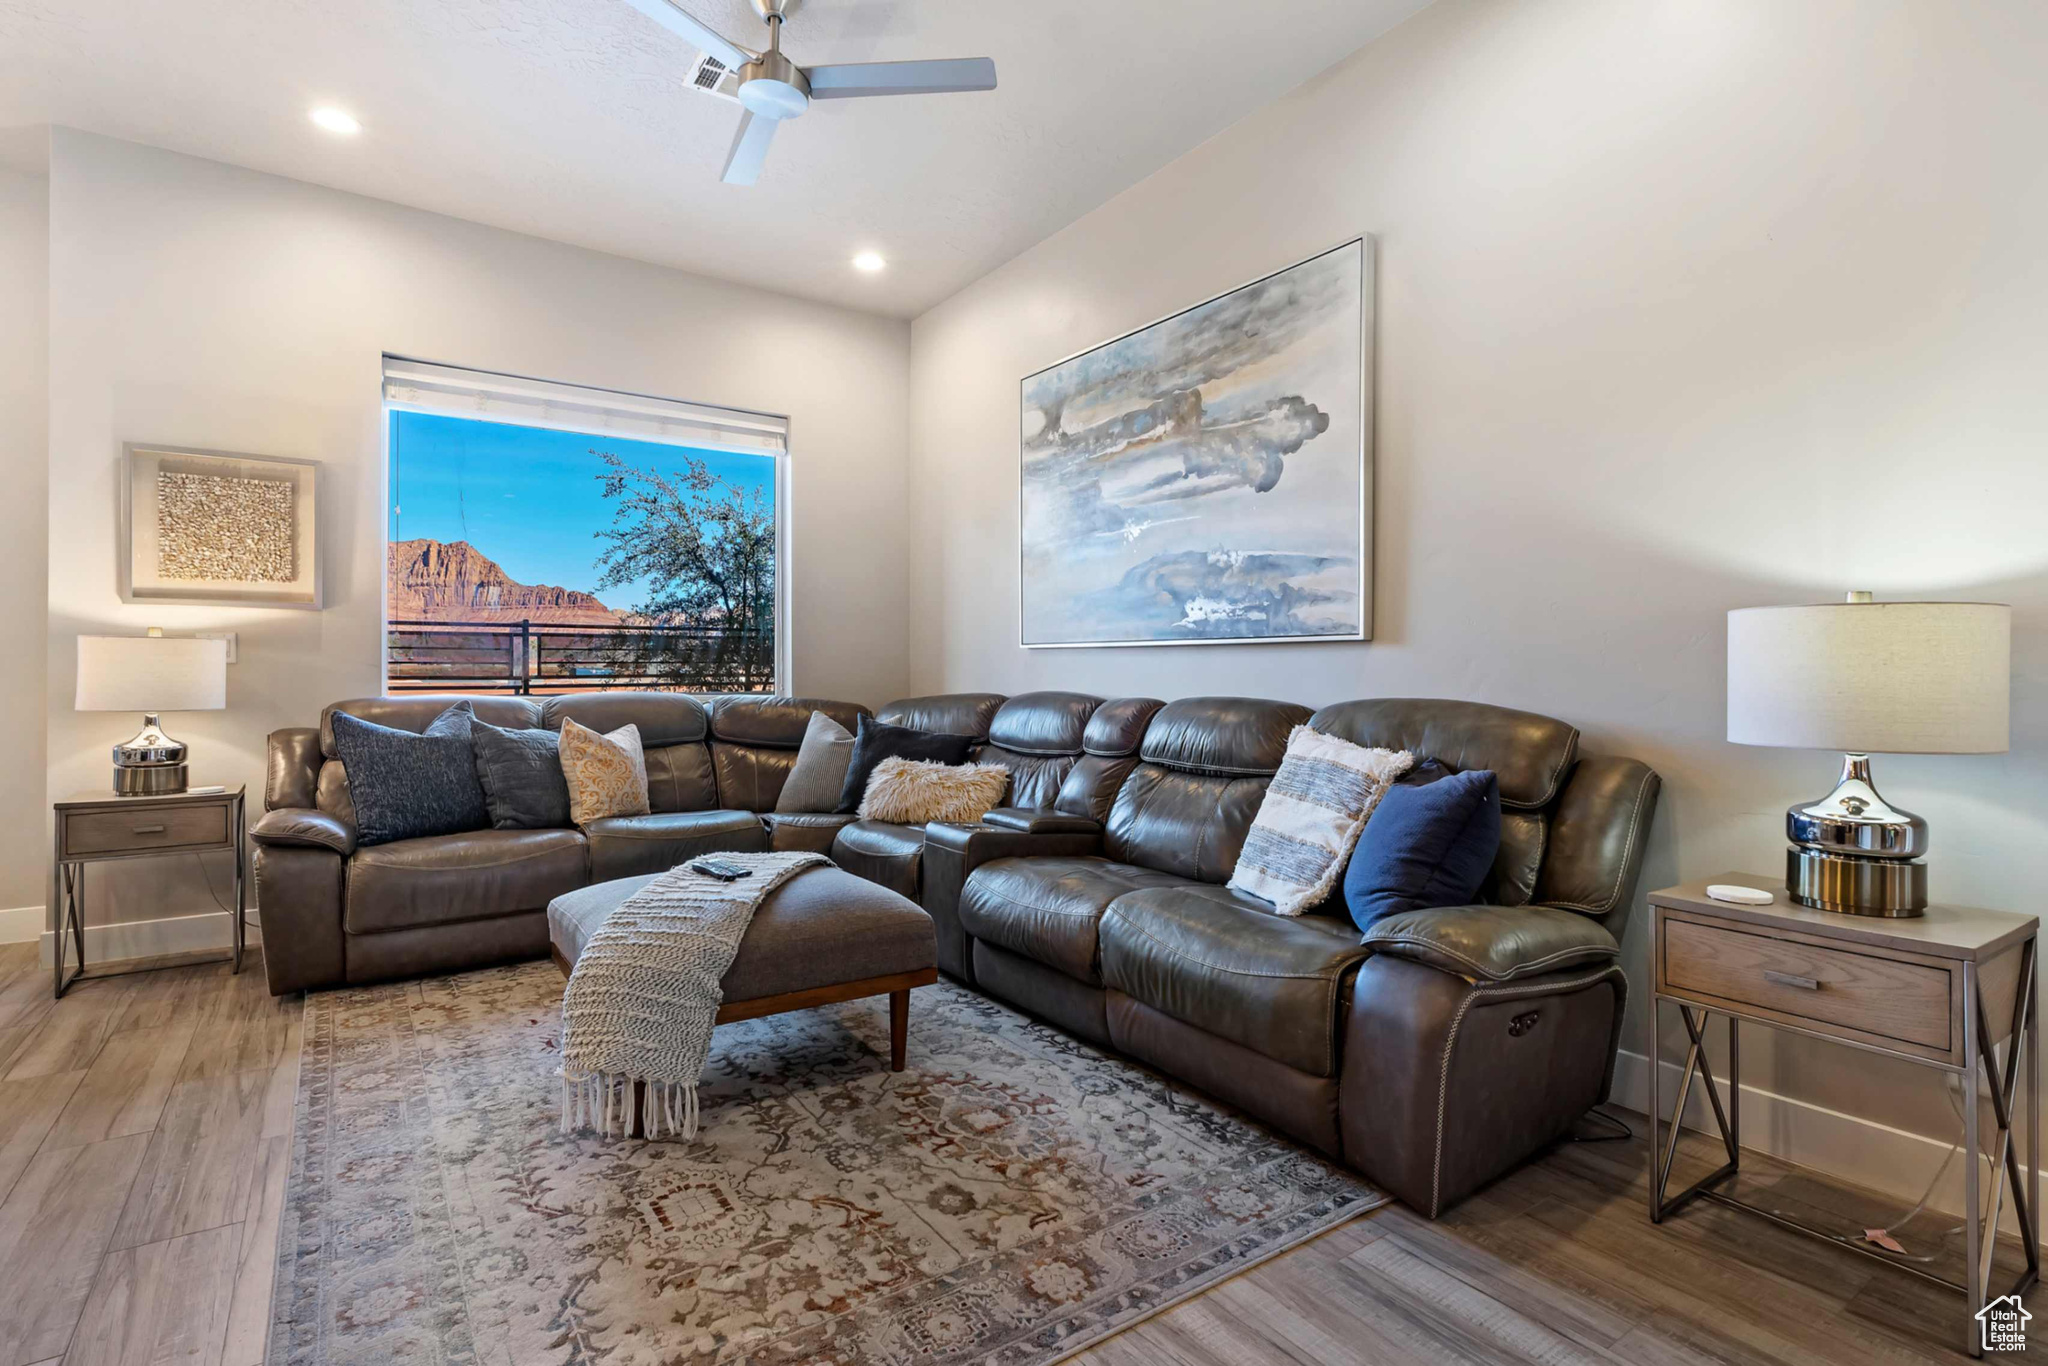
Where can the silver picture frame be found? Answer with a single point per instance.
(1365, 577)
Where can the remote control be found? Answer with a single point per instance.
(720, 869)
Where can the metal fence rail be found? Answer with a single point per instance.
(526, 657)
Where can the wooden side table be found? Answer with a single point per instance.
(1943, 991)
(99, 827)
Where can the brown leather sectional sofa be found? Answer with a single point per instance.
(1432, 1054)
(341, 914)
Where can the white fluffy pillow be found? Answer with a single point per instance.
(914, 791)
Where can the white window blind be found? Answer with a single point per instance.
(570, 407)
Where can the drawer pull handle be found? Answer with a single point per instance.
(149, 829)
(1787, 979)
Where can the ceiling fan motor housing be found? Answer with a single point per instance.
(774, 87)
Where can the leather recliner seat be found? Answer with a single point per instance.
(1174, 828)
(334, 912)
(690, 815)
(754, 743)
(1432, 1053)
(889, 852)
(1067, 754)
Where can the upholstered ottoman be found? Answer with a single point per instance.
(823, 936)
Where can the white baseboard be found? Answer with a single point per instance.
(1891, 1161)
(150, 938)
(21, 924)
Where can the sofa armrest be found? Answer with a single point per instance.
(1447, 1083)
(299, 899)
(1041, 822)
(301, 826)
(953, 852)
(1494, 943)
(970, 846)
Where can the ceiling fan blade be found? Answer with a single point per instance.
(857, 79)
(749, 149)
(678, 20)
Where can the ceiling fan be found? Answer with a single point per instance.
(772, 88)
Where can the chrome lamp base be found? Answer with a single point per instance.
(1895, 888)
(1855, 853)
(149, 763)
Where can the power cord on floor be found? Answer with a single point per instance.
(1623, 1136)
(1886, 1237)
(227, 909)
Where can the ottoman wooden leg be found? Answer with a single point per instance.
(899, 1027)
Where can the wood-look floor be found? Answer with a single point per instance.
(145, 1132)
(145, 1128)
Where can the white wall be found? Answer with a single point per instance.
(1684, 305)
(197, 304)
(24, 338)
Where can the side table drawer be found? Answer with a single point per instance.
(1887, 997)
(87, 833)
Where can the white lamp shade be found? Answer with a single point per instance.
(151, 673)
(1872, 677)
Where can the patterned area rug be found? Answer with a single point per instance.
(1012, 1197)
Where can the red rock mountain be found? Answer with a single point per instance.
(436, 581)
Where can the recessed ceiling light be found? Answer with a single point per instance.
(869, 261)
(336, 120)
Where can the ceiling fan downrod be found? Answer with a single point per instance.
(772, 85)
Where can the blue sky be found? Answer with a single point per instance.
(528, 497)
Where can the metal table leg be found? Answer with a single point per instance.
(2029, 1065)
(70, 924)
(1655, 1053)
(1725, 1117)
(2002, 1085)
(1973, 1287)
(241, 929)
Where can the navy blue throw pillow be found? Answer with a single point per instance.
(404, 785)
(1427, 844)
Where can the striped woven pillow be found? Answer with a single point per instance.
(1310, 818)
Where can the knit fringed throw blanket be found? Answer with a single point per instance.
(642, 998)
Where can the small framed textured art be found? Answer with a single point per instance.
(216, 527)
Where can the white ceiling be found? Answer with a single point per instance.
(568, 118)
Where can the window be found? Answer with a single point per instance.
(550, 539)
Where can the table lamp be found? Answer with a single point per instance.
(150, 674)
(1867, 677)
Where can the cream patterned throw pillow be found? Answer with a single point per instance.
(1310, 819)
(607, 774)
(914, 791)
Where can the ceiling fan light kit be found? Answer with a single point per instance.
(772, 89)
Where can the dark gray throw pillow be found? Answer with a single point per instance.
(406, 786)
(874, 742)
(521, 773)
(819, 777)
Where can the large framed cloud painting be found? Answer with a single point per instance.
(1208, 478)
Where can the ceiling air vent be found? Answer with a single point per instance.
(714, 77)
